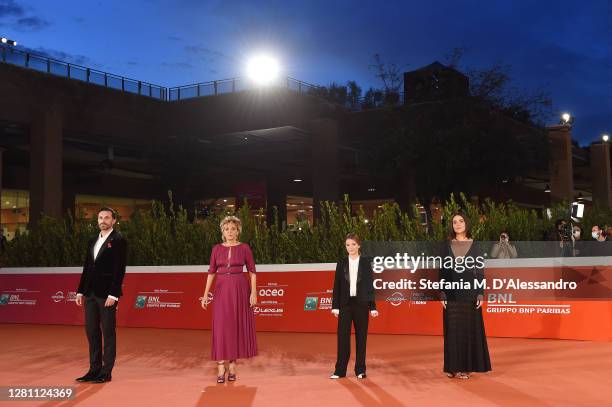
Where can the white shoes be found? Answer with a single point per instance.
(359, 376)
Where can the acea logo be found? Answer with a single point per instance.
(271, 292)
(311, 303)
(4, 299)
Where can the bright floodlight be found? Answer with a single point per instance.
(8, 42)
(262, 69)
(566, 117)
(605, 137)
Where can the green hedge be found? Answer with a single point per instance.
(166, 235)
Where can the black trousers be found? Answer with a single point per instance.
(354, 313)
(100, 323)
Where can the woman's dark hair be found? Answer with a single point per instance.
(468, 226)
(107, 209)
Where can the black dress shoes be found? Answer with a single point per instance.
(89, 376)
(102, 379)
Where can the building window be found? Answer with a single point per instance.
(87, 206)
(15, 211)
(299, 211)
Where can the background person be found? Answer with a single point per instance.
(504, 249)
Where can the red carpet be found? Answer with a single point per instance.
(166, 367)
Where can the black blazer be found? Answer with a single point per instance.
(365, 285)
(104, 275)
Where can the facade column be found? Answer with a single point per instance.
(325, 177)
(404, 189)
(600, 175)
(46, 165)
(2, 149)
(276, 196)
(561, 168)
(69, 201)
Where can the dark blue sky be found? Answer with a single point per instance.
(562, 46)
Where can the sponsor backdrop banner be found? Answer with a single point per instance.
(292, 298)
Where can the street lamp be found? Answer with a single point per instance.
(567, 119)
(8, 42)
(605, 138)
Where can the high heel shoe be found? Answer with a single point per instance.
(221, 379)
(231, 377)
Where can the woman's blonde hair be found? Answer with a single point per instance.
(230, 219)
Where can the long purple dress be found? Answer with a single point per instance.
(233, 320)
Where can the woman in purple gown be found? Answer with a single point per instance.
(233, 321)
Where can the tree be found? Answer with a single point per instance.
(348, 95)
(354, 94)
(373, 98)
(493, 86)
(454, 147)
(389, 73)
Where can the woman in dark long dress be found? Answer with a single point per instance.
(233, 321)
(465, 341)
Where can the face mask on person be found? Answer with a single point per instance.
(595, 235)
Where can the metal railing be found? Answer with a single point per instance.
(52, 66)
(378, 101)
(11, 55)
(231, 85)
(25, 59)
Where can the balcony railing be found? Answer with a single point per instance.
(230, 86)
(24, 59)
(52, 66)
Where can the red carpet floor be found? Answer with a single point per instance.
(164, 367)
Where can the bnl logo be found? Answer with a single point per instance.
(500, 298)
(141, 301)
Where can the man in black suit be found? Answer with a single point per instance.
(353, 300)
(100, 287)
